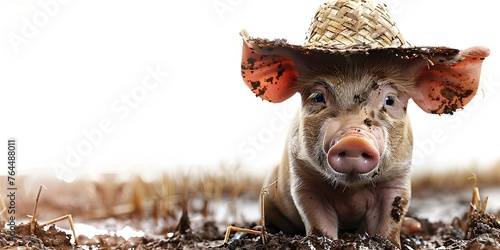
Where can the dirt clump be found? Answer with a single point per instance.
(42, 239)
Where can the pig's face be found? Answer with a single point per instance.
(353, 127)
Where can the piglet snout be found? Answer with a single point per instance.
(353, 155)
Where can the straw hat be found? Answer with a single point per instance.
(349, 27)
(342, 27)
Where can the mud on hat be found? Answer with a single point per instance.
(348, 27)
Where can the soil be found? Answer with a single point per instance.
(483, 233)
(201, 223)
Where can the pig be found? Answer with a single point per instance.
(347, 160)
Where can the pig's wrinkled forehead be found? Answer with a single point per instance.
(362, 70)
(320, 63)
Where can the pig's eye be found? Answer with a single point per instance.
(390, 100)
(318, 97)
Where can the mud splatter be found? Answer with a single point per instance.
(451, 99)
(358, 99)
(251, 61)
(255, 84)
(397, 209)
(269, 80)
(368, 122)
(281, 70)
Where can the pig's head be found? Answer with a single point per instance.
(353, 127)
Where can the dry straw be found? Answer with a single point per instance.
(353, 24)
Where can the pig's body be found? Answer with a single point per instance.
(354, 210)
(312, 196)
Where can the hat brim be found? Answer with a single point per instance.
(403, 52)
(265, 63)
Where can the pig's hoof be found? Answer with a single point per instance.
(411, 226)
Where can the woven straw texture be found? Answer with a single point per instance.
(353, 24)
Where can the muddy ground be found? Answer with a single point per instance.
(201, 222)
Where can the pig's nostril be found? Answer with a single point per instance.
(366, 155)
(342, 153)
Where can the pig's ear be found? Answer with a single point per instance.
(268, 72)
(445, 84)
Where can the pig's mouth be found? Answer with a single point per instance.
(354, 155)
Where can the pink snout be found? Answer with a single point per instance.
(353, 155)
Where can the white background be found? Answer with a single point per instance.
(66, 67)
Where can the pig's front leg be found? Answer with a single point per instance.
(394, 205)
(318, 215)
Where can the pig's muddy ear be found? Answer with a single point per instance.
(445, 84)
(269, 73)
